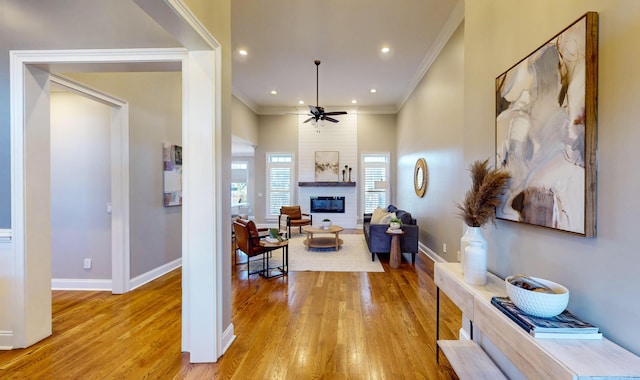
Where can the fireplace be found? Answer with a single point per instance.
(327, 204)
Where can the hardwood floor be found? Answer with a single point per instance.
(320, 325)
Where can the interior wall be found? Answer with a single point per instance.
(276, 133)
(244, 122)
(155, 111)
(80, 187)
(600, 272)
(377, 134)
(430, 126)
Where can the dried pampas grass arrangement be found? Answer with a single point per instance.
(480, 202)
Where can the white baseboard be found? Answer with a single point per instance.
(227, 338)
(81, 284)
(154, 273)
(6, 340)
(431, 254)
(106, 285)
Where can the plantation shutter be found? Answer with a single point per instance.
(280, 174)
(376, 168)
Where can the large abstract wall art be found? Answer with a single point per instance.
(546, 132)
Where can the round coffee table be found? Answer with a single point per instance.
(323, 241)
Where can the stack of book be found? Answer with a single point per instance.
(562, 326)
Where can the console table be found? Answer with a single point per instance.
(535, 358)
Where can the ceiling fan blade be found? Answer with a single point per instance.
(325, 117)
(308, 120)
(336, 113)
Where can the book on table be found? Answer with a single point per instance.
(563, 326)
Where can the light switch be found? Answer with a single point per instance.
(109, 208)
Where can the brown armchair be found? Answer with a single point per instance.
(248, 242)
(292, 216)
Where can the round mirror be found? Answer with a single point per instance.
(420, 177)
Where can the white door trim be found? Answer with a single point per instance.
(202, 257)
(120, 269)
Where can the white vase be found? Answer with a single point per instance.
(472, 233)
(475, 263)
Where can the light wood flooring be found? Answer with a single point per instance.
(307, 325)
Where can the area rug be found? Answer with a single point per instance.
(353, 256)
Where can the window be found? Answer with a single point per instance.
(280, 187)
(239, 177)
(377, 186)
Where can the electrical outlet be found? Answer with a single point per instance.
(87, 264)
(444, 247)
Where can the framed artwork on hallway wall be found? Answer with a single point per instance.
(546, 132)
(326, 166)
(172, 166)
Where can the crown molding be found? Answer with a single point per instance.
(455, 18)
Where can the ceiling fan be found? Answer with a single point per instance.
(317, 112)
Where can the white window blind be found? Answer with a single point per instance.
(375, 170)
(280, 187)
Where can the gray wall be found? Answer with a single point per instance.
(80, 187)
(244, 123)
(275, 134)
(155, 116)
(430, 126)
(377, 134)
(601, 273)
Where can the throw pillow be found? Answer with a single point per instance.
(392, 208)
(377, 214)
(404, 216)
(387, 218)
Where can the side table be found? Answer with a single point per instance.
(282, 270)
(395, 256)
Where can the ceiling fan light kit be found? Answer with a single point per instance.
(317, 113)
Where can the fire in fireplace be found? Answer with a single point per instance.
(327, 204)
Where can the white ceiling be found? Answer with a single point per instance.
(284, 37)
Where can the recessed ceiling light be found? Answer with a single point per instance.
(373, 91)
(274, 92)
(300, 101)
(242, 52)
(354, 101)
(384, 49)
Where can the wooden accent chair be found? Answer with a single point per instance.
(292, 216)
(248, 242)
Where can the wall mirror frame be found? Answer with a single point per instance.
(420, 177)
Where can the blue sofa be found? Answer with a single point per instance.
(379, 241)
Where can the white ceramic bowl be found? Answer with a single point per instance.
(545, 305)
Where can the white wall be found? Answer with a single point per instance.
(340, 137)
(601, 273)
(80, 187)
